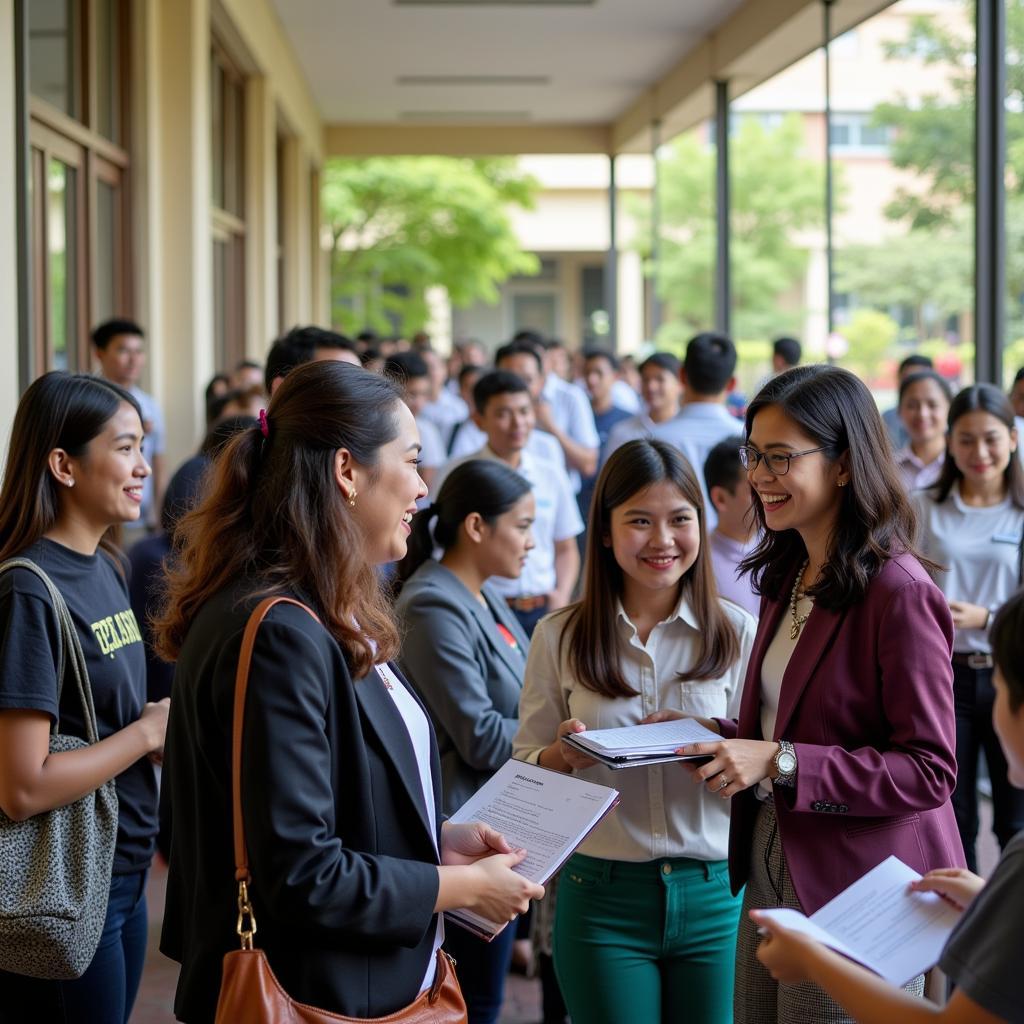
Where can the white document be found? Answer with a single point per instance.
(641, 740)
(880, 923)
(546, 812)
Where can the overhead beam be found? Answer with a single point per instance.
(464, 140)
(759, 40)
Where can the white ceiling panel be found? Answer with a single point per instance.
(379, 61)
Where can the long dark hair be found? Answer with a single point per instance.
(876, 520)
(273, 512)
(596, 648)
(483, 486)
(980, 398)
(58, 410)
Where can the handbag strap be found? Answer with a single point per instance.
(69, 651)
(246, 930)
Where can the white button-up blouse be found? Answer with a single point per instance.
(662, 813)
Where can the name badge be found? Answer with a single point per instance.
(1005, 538)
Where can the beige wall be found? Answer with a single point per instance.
(173, 212)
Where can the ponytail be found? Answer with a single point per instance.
(483, 486)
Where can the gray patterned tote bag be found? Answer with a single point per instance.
(55, 866)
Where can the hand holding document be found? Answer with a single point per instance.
(633, 746)
(546, 812)
(879, 922)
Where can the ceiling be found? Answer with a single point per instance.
(536, 75)
(377, 61)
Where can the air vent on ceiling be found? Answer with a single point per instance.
(464, 116)
(503, 80)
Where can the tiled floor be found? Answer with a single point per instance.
(522, 999)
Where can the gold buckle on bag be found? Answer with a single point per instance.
(245, 911)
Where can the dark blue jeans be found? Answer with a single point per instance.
(106, 992)
(481, 968)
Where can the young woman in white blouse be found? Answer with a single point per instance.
(972, 521)
(923, 407)
(645, 925)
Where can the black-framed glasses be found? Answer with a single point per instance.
(777, 463)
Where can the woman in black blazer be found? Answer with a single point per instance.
(465, 652)
(350, 862)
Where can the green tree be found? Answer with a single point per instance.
(870, 335)
(927, 271)
(402, 225)
(931, 270)
(776, 192)
(934, 136)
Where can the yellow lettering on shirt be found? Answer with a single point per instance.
(116, 631)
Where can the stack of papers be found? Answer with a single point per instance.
(544, 812)
(633, 746)
(879, 922)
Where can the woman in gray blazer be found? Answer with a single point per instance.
(464, 651)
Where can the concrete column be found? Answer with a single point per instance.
(298, 305)
(179, 266)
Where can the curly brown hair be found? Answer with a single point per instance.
(274, 514)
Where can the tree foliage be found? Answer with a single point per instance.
(931, 269)
(934, 136)
(777, 193)
(401, 225)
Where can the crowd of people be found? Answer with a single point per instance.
(481, 555)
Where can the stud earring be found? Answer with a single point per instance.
(843, 483)
(352, 500)
(71, 482)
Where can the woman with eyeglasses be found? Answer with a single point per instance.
(843, 752)
(971, 524)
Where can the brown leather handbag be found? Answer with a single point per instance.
(249, 992)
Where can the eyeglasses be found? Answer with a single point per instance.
(776, 463)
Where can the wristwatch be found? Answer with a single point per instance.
(785, 764)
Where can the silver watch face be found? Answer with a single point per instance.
(786, 763)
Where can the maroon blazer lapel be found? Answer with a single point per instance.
(814, 640)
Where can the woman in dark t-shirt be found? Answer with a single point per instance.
(75, 469)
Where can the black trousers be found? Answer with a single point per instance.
(973, 697)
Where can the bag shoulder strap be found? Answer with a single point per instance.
(69, 652)
(259, 613)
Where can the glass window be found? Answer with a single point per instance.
(109, 72)
(54, 40)
(77, 68)
(105, 263)
(227, 156)
(62, 223)
(903, 224)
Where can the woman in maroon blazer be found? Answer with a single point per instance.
(844, 749)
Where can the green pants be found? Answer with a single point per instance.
(647, 943)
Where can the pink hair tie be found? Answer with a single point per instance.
(264, 425)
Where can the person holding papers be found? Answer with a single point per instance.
(645, 925)
(983, 955)
(465, 652)
(351, 862)
(843, 751)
